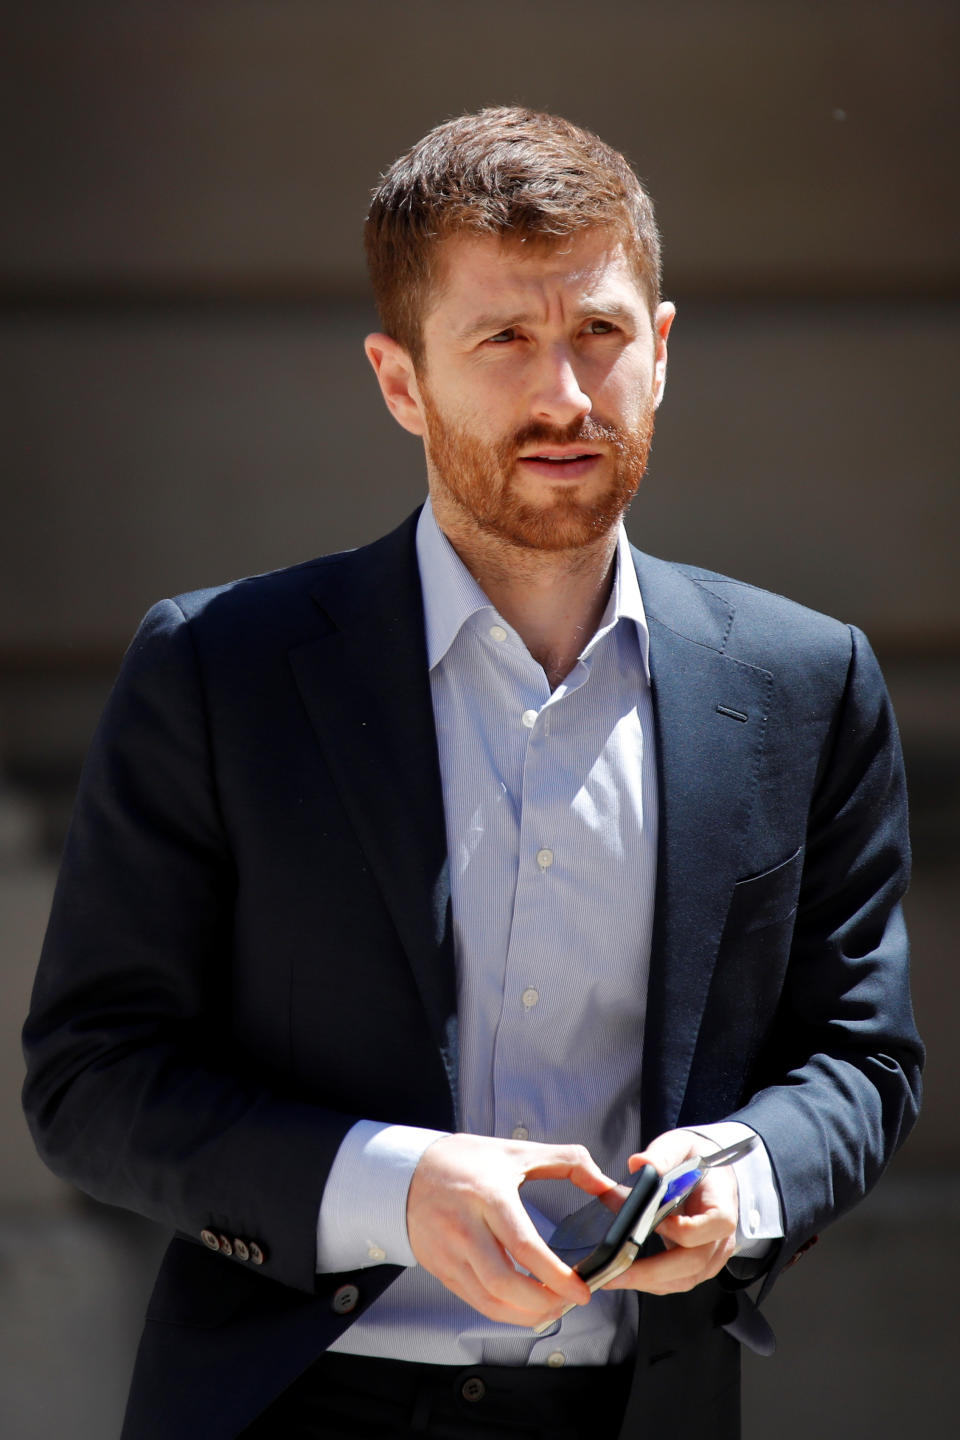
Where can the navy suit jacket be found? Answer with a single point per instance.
(250, 948)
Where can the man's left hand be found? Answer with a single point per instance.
(700, 1238)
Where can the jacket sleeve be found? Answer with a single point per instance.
(134, 1091)
(843, 1069)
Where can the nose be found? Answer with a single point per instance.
(558, 394)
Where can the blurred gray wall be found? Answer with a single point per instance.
(183, 398)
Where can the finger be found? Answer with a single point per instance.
(492, 1284)
(566, 1162)
(527, 1304)
(676, 1270)
(517, 1298)
(692, 1231)
(512, 1228)
(486, 1275)
(709, 1213)
(467, 1259)
(613, 1198)
(665, 1152)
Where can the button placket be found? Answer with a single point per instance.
(519, 737)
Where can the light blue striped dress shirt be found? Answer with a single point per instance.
(551, 815)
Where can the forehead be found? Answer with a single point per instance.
(480, 273)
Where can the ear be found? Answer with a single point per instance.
(662, 321)
(398, 381)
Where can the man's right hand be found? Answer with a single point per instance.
(467, 1225)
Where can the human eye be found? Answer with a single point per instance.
(600, 327)
(502, 337)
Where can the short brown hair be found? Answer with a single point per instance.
(504, 171)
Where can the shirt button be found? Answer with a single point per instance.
(530, 997)
(544, 859)
(376, 1252)
(556, 1358)
(520, 1132)
(529, 718)
(498, 633)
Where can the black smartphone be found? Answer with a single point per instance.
(631, 1220)
(622, 1238)
(651, 1199)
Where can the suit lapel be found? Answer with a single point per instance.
(710, 714)
(365, 685)
(366, 688)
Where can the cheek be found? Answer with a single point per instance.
(636, 394)
(469, 407)
(486, 421)
(626, 385)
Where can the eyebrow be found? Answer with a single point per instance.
(492, 322)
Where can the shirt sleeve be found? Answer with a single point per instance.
(760, 1221)
(363, 1212)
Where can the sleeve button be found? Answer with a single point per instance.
(224, 1245)
(257, 1255)
(210, 1240)
(345, 1299)
(241, 1249)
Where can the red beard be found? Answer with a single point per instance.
(479, 476)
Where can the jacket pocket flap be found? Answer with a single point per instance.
(767, 898)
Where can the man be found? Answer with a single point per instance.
(480, 857)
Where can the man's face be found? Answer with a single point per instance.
(541, 375)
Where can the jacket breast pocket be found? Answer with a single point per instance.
(766, 899)
(746, 987)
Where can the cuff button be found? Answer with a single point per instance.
(345, 1299)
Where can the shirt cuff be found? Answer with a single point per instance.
(760, 1221)
(363, 1212)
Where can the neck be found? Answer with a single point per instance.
(554, 599)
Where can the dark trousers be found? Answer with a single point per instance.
(350, 1397)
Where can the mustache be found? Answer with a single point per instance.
(587, 430)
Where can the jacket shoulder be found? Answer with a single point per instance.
(286, 605)
(751, 624)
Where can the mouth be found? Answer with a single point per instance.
(556, 463)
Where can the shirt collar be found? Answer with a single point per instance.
(451, 595)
